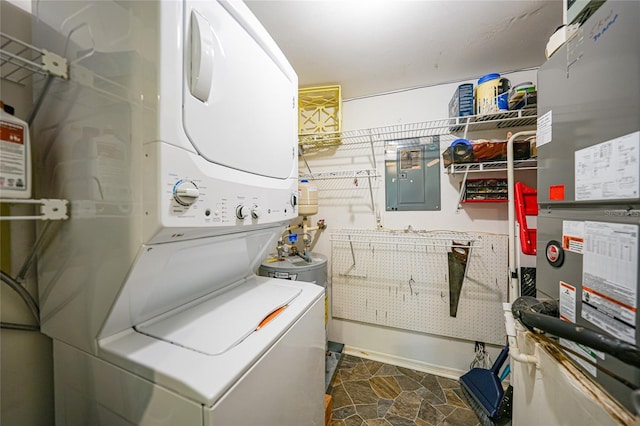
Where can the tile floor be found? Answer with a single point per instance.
(370, 393)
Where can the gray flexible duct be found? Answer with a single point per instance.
(23, 293)
(21, 327)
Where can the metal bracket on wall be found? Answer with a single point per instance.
(49, 209)
(20, 61)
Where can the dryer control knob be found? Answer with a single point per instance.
(185, 192)
(242, 212)
(255, 212)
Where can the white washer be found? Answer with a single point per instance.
(176, 142)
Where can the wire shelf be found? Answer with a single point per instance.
(19, 61)
(492, 166)
(342, 174)
(501, 120)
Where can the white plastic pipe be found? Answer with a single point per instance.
(514, 350)
(514, 288)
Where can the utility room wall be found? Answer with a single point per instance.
(26, 363)
(351, 203)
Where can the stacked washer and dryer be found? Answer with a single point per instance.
(175, 142)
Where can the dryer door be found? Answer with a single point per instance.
(240, 93)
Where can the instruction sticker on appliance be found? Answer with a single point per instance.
(610, 276)
(13, 154)
(568, 313)
(609, 170)
(591, 354)
(543, 133)
(283, 275)
(567, 302)
(573, 236)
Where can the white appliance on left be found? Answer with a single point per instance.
(175, 142)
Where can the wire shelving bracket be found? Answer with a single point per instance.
(20, 60)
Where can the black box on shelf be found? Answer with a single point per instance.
(457, 154)
(523, 100)
(497, 151)
(485, 190)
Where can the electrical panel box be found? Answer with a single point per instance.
(412, 174)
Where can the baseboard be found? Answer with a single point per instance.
(449, 373)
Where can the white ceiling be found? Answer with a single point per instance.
(378, 46)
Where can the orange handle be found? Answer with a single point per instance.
(270, 317)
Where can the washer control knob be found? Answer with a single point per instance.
(185, 192)
(242, 212)
(255, 212)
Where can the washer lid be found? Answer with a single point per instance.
(219, 323)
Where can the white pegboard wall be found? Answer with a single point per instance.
(401, 280)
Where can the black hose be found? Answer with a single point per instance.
(23, 293)
(624, 351)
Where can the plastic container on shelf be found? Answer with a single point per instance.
(523, 95)
(492, 94)
(15, 155)
(307, 198)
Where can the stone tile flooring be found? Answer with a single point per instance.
(370, 393)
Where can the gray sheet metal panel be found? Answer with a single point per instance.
(549, 224)
(548, 285)
(591, 85)
(414, 189)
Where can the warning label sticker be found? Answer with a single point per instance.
(610, 276)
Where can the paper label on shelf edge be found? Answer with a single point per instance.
(609, 170)
(610, 277)
(573, 236)
(543, 131)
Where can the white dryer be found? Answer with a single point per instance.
(175, 141)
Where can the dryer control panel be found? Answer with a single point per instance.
(198, 198)
(192, 197)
